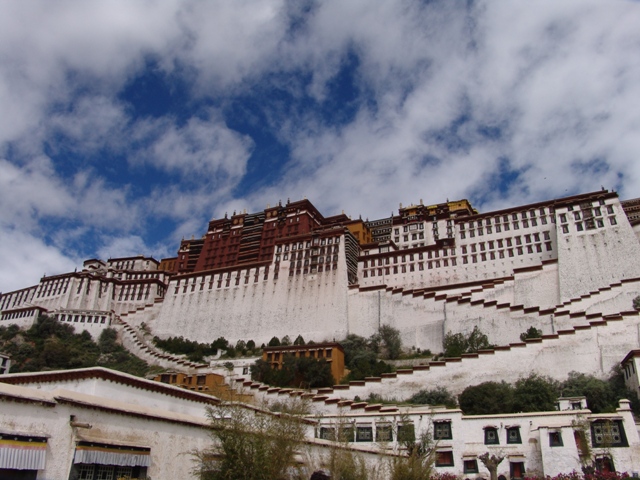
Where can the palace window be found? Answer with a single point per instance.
(442, 430)
(608, 433)
(491, 436)
(327, 433)
(471, 466)
(384, 433)
(406, 432)
(444, 459)
(513, 435)
(364, 434)
(555, 439)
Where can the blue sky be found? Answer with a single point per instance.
(127, 125)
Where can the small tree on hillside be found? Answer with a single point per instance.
(532, 332)
(436, 396)
(457, 344)
(387, 342)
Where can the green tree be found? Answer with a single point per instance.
(487, 398)
(418, 462)
(241, 347)
(274, 342)
(299, 340)
(387, 342)
(250, 445)
(49, 344)
(219, 343)
(601, 395)
(361, 360)
(286, 341)
(435, 396)
(457, 344)
(535, 393)
(532, 332)
(302, 372)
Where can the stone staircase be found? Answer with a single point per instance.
(139, 346)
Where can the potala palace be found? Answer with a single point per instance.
(569, 267)
(426, 271)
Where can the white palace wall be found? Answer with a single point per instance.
(593, 258)
(311, 305)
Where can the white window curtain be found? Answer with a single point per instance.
(100, 454)
(22, 453)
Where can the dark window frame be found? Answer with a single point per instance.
(555, 439)
(513, 439)
(444, 459)
(470, 466)
(442, 430)
(487, 434)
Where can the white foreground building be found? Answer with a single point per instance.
(95, 423)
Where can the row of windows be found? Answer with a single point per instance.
(81, 318)
(108, 472)
(308, 244)
(20, 314)
(536, 248)
(491, 245)
(586, 213)
(589, 224)
(609, 433)
(414, 236)
(128, 265)
(308, 253)
(365, 433)
(318, 353)
(411, 267)
(313, 269)
(410, 257)
(307, 261)
(142, 276)
(506, 227)
(446, 262)
(524, 216)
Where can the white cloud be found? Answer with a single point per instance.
(25, 258)
(130, 246)
(202, 150)
(556, 81)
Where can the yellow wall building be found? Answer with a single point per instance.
(332, 353)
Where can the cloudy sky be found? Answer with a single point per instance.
(127, 125)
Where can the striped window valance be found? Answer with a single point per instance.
(103, 454)
(22, 453)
